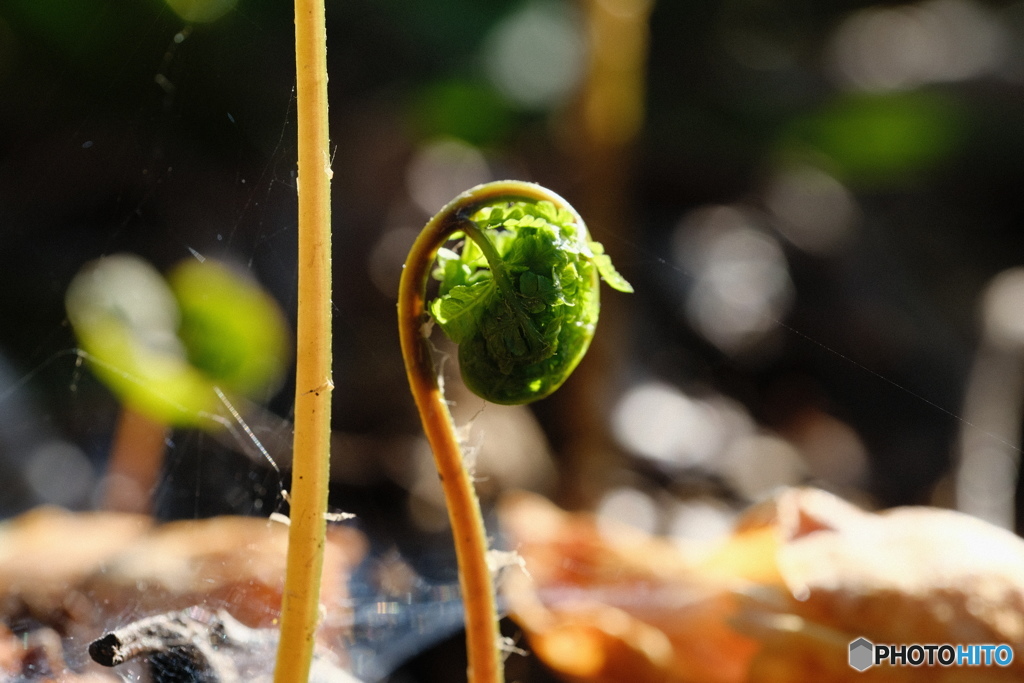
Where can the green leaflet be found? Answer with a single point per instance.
(459, 312)
(607, 270)
(521, 299)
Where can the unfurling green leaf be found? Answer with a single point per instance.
(521, 299)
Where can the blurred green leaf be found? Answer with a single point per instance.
(201, 11)
(162, 349)
(470, 111)
(232, 330)
(125, 317)
(883, 139)
(77, 27)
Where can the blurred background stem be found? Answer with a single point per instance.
(135, 461)
(604, 123)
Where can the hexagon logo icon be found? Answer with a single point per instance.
(862, 654)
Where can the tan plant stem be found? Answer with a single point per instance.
(310, 469)
(485, 664)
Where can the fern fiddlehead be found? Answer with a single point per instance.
(521, 300)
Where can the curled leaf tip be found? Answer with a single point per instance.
(521, 297)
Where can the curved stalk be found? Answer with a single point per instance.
(300, 607)
(485, 664)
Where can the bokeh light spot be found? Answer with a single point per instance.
(814, 210)
(60, 474)
(659, 422)
(1003, 309)
(630, 506)
(741, 279)
(442, 169)
(896, 48)
(701, 520)
(757, 464)
(534, 57)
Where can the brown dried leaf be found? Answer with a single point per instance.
(231, 563)
(780, 601)
(48, 552)
(83, 573)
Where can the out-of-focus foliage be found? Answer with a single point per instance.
(467, 110)
(163, 346)
(231, 329)
(884, 140)
(201, 11)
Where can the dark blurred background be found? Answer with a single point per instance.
(818, 204)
